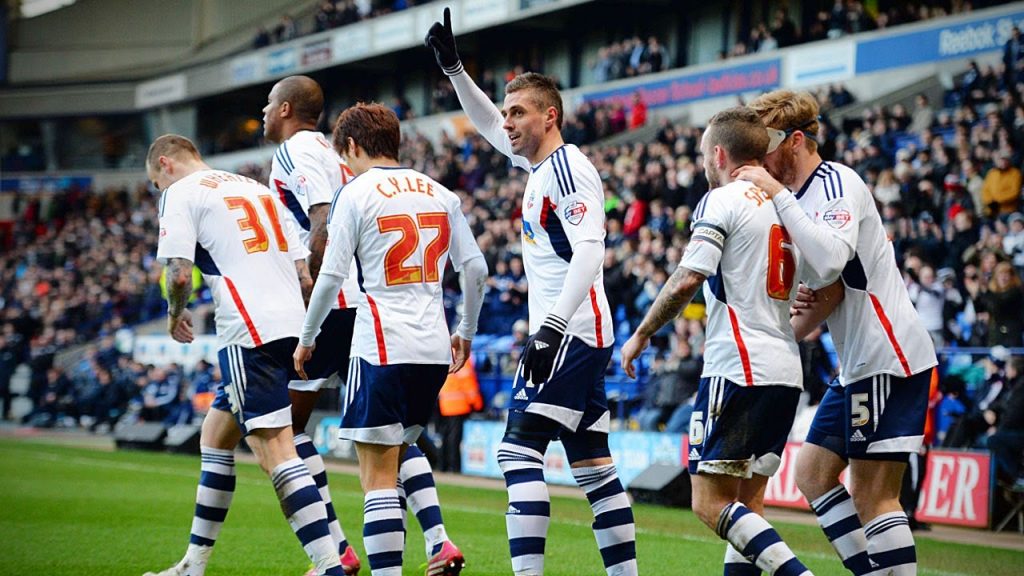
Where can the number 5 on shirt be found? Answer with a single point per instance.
(250, 220)
(396, 272)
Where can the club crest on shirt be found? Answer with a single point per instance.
(574, 212)
(837, 218)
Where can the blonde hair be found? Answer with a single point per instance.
(169, 145)
(788, 110)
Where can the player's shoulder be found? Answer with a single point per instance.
(303, 145)
(723, 199)
(839, 181)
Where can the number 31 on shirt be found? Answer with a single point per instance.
(250, 220)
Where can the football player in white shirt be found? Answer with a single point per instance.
(307, 173)
(400, 227)
(752, 378)
(876, 417)
(230, 227)
(559, 387)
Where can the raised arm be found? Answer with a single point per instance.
(481, 111)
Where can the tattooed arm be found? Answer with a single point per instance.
(317, 237)
(674, 296)
(179, 289)
(305, 280)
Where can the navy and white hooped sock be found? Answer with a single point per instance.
(306, 450)
(383, 532)
(417, 478)
(891, 545)
(737, 565)
(755, 538)
(529, 506)
(613, 517)
(838, 519)
(213, 498)
(302, 506)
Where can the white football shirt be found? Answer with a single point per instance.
(230, 227)
(306, 171)
(739, 243)
(400, 227)
(875, 328)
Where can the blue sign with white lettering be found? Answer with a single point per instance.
(939, 43)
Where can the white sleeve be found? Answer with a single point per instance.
(325, 294)
(473, 277)
(709, 235)
(463, 246)
(579, 204)
(827, 247)
(485, 116)
(178, 236)
(342, 237)
(587, 259)
(312, 179)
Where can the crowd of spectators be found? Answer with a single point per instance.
(329, 14)
(843, 18)
(628, 58)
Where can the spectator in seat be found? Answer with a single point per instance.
(1007, 417)
(1013, 245)
(1004, 303)
(1000, 194)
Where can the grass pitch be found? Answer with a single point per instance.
(81, 512)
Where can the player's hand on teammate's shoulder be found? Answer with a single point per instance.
(300, 357)
(759, 177)
(442, 40)
(631, 350)
(180, 327)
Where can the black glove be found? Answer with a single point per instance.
(541, 349)
(441, 39)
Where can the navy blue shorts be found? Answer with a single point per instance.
(878, 418)
(329, 363)
(389, 405)
(574, 394)
(739, 430)
(254, 385)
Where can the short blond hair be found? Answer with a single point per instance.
(788, 110)
(172, 145)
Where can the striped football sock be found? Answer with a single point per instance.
(838, 518)
(613, 517)
(302, 506)
(306, 450)
(421, 495)
(213, 498)
(891, 545)
(737, 565)
(755, 538)
(529, 506)
(383, 532)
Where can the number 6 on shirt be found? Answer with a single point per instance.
(395, 271)
(781, 264)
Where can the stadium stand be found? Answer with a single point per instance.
(942, 159)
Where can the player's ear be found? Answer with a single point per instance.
(551, 117)
(166, 165)
(286, 109)
(720, 157)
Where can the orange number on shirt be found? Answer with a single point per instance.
(781, 264)
(395, 271)
(250, 220)
(270, 206)
(438, 246)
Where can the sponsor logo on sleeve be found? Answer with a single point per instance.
(837, 218)
(574, 212)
